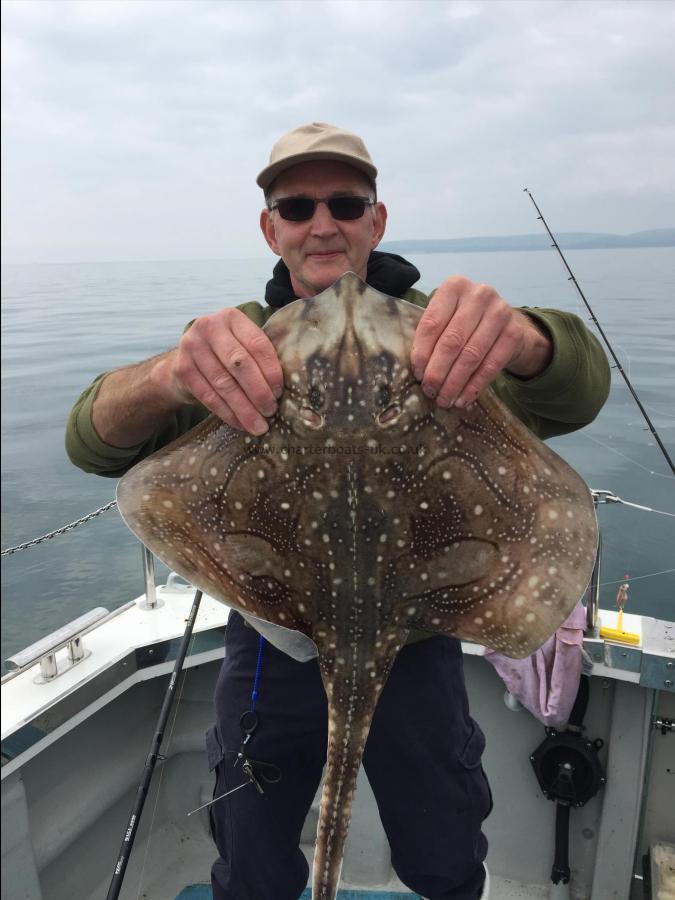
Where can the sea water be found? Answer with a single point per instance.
(63, 324)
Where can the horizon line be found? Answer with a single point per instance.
(475, 237)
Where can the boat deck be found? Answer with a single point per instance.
(73, 752)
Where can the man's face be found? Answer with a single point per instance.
(319, 251)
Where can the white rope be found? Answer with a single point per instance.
(637, 577)
(601, 497)
(659, 512)
(618, 453)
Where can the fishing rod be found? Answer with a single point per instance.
(152, 757)
(574, 281)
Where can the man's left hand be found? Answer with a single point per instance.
(467, 336)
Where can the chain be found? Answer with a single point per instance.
(51, 534)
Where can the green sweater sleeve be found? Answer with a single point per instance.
(566, 396)
(573, 388)
(87, 451)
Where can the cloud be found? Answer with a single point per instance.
(136, 129)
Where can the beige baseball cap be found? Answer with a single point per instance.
(318, 140)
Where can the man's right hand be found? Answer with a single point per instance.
(229, 365)
(223, 361)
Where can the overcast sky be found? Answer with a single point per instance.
(135, 130)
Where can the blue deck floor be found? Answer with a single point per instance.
(203, 892)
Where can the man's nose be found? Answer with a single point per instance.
(322, 220)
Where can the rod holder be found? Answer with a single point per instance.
(151, 601)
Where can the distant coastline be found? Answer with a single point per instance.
(568, 240)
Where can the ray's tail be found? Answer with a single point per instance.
(351, 704)
(346, 742)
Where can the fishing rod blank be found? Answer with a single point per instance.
(151, 759)
(602, 334)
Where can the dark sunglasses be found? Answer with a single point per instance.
(302, 209)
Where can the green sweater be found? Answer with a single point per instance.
(566, 396)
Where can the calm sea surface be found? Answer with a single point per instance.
(63, 324)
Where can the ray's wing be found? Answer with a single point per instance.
(501, 545)
(222, 512)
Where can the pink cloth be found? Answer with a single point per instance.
(547, 682)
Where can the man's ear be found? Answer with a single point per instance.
(379, 225)
(269, 231)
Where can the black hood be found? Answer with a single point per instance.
(387, 272)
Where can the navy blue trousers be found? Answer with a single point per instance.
(422, 759)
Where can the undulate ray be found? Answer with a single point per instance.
(367, 511)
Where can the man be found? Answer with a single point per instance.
(423, 754)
